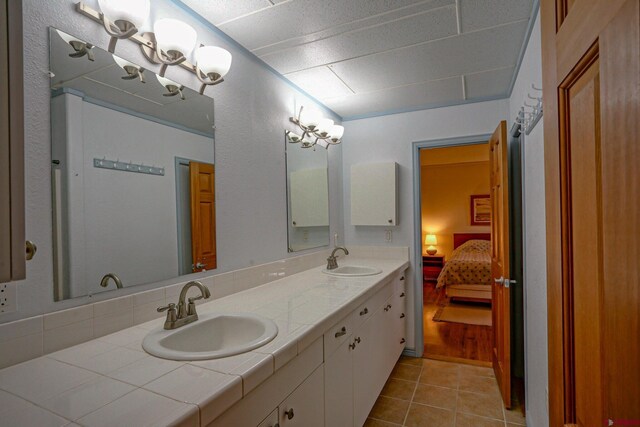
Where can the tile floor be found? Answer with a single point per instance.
(431, 393)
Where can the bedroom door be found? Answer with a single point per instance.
(203, 216)
(500, 274)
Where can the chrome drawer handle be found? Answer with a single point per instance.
(289, 413)
(365, 311)
(341, 332)
(352, 346)
(357, 340)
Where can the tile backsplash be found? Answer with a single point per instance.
(35, 336)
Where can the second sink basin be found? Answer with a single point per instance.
(212, 336)
(353, 271)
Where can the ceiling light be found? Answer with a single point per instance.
(123, 18)
(133, 71)
(80, 47)
(212, 64)
(172, 87)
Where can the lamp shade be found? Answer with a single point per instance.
(166, 82)
(310, 117)
(135, 12)
(430, 239)
(325, 126)
(213, 59)
(173, 35)
(124, 63)
(68, 38)
(336, 132)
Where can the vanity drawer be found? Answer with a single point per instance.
(337, 334)
(372, 305)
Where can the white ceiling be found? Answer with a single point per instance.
(368, 57)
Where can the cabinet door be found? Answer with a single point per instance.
(374, 194)
(305, 406)
(338, 386)
(271, 420)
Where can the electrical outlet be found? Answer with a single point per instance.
(388, 235)
(305, 236)
(7, 298)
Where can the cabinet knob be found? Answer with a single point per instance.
(402, 278)
(352, 346)
(402, 341)
(402, 316)
(402, 295)
(289, 413)
(365, 311)
(357, 340)
(31, 250)
(341, 332)
(388, 307)
(390, 221)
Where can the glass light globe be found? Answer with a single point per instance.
(213, 59)
(166, 82)
(293, 137)
(124, 63)
(310, 118)
(325, 126)
(68, 38)
(173, 35)
(336, 132)
(135, 12)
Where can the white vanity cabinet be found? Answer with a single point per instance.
(374, 194)
(357, 370)
(304, 407)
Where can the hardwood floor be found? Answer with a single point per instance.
(453, 341)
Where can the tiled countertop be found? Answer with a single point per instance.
(113, 381)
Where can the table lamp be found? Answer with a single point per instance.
(431, 241)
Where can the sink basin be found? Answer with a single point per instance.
(212, 336)
(353, 271)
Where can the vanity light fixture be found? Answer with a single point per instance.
(172, 87)
(123, 18)
(81, 48)
(170, 43)
(315, 126)
(133, 71)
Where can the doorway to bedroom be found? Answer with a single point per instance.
(455, 236)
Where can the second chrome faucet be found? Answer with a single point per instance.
(185, 313)
(332, 261)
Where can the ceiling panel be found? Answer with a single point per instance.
(299, 17)
(484, 50)
(219, 11)
(418, 28)
(320, 82)
(434, 93)
(489, 84)
(478, 14)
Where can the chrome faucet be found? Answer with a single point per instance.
(184, 314)
(105, 280)
(332, 261)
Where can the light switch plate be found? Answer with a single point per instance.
(7, 298)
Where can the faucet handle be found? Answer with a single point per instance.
(191, 300)
(170, 306)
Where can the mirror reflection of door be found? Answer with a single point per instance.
(195, 182)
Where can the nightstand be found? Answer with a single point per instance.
(431, 267)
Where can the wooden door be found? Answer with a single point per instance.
(500, 274)
(591, 80)
(203, 216)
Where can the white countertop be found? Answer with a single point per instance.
(113, 381)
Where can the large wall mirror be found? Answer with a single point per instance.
(307, 196)
(133, 182)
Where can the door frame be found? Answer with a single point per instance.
(416, 146)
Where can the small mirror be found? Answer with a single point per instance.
(307, 196)
(133, 181)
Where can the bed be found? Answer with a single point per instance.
(467, 274)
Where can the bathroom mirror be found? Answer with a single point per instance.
(132, 173)
(307, 196)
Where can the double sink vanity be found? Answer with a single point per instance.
(311, 349)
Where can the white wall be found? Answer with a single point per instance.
(390, 138)
(535, 267)
(253, 107)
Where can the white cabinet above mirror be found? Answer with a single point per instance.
(133, 187)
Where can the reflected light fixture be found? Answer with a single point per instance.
(170, 43)
(80, 47)
(172, 87)
(133, 71)
(123, 18)
(313, 125)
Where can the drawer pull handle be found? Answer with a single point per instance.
(352, 346)
(289, 413)
(357, 340)
(341, 332)
(402, 295)
(365, 311)
(387, 307)
(402, 341)
(402, 278)
(402, 316)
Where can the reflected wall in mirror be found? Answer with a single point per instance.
(307, 196)
(133, 176)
